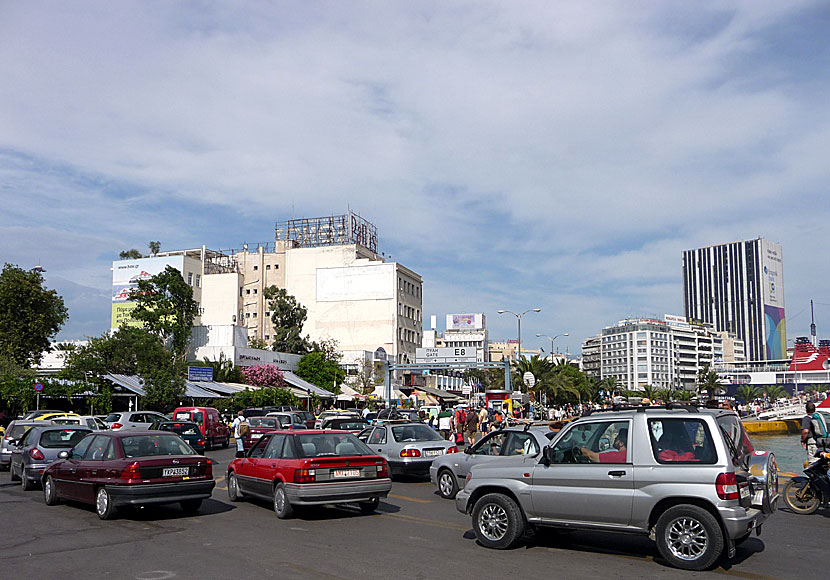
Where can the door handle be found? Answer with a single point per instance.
(616, 473)
(94, 472)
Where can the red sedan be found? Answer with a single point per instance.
(314, 467)
(119, 468)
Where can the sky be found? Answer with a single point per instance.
(517, 155)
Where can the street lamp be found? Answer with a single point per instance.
(519, 319)
(552, 338)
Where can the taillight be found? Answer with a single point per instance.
(726, 486)
(452, 449)
(132, 471)
(209, 468)
(383, 470)
(116, 426)
(200, 442)
(304, 476)
(410, 453)
(36, 454)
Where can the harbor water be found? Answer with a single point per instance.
(787, 448)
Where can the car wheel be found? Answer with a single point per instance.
(800, 496)
(234, 493)
(25, 483)
(370, 506)
(226, 443)
(50, 494)
(103, 504)
(447, 485)
(498, 522)
(282, 507)
(190, 506)
(689, 537)
(12, 473)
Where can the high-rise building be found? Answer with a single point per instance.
(739, 288)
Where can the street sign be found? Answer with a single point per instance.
(466, 389)
(38, 387)
(199, 373)
(445, 355)
(529, 379)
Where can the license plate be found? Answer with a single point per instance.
(256, 435)
(346, 473)
(173, 471)
(745, 491)
(433, 452)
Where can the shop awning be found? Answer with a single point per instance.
(305, 386)
(439, 394)
(135, 384)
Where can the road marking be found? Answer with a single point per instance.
(407, 498)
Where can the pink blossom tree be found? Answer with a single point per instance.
(264, 376)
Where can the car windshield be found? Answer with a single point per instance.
(181, 428)
(407, 433)
(61, 438)
(267, 422)
(112, 417)
(331, 444)
(348, 425)
(17, 431)
(151, 445)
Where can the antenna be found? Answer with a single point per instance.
(812, 324)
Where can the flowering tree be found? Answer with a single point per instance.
(264, 376)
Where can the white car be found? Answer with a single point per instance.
(93, 423)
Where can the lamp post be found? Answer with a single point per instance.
(552, 338)
(519, 319)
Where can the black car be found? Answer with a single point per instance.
(187, 430)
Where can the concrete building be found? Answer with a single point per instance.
(739, 288)
(592, 356)
(662, 353)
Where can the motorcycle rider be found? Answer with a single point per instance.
(813, 428)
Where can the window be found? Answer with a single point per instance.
(79, 450)
(681, 441)
(198, 280)
(190, 278)
(256, 268)
(274, 449)
(268, 266)
(101, 449)
(603, 442)
(258, 450)
(378, 437)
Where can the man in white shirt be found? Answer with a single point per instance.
(240, 443)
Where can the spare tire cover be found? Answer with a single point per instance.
(763, 473)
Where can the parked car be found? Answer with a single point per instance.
(352, 424)
(399, 414)
(37, 412)
(48, 416)
(214, 431)
(14, 432)
(687, 477)
(288, 420)
(308, 418)
(303, 468)
(38, 447)
(410, 448)
(187, 430)
(90, 421)
(448, 472)
(109, 469)
(260, 425)
(332, 413)
(258, 411)
(133, 420)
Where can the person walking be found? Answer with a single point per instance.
(483, 421)
(445, 423)
(471, 427)
(240, 430)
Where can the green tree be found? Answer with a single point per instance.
(224, 370)
(708, 382)
(747, 393)
(131, 254)
(155, 247)
(288, 317)
(29, 315)
(774, 392)
(366, 378)
(166, 307)
(254, 342)
(320, 370)
(164, 385)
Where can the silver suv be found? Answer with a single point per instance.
(687, 477)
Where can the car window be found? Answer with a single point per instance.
(100, 449)
(378, 437)
(330, 444)
(151, 445)
(596, 442)
(18, 431)
(258, 450)
(199, 417)
(419, 432)
(80, 449)
(736, 438)
(24, 441)
(112, 417)
(274, 449)
(61, 438)
(520, 443)
(491, 445)
(288, 450)
(681, 440)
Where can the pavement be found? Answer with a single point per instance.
(415, 534)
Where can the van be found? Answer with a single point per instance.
(210, 424)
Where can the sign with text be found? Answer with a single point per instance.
(199, 373)
(443, 355)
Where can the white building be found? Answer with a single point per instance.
(468, 331)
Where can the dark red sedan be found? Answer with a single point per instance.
(314, 467)
(129, 468)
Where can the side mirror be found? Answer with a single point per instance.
(63, 455)
(547, 456)
(13, 442)
(468, 450)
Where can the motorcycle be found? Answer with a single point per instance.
(804, 495)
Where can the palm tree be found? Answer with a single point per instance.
(708, 381)
(774, 392)
(747, 393)
(650, 392)
(681, 395)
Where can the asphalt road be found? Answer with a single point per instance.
(415, 534)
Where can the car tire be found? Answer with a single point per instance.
(800, 496)
(12, 473)
(282, 507)
(234, 493)
(50, 494)
(226, 443)
(447, 484)
(103, 504)
(368, 507)
(25, 483)
(190, 506)
(498, 522)
(689, 537)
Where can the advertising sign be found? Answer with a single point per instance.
(125, 277)
(772, 289)
(199, 373)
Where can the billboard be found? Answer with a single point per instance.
(465, 321)
(772, 290)
(444, 355)
(125, 277)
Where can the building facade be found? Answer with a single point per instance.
(468, 331)
(738, 288)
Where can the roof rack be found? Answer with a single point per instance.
(643, 408)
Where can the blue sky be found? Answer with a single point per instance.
(557, 155)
